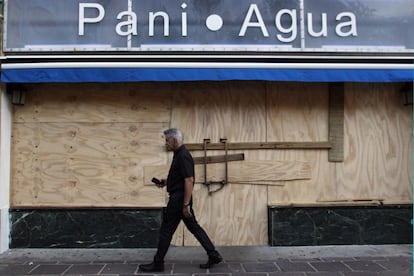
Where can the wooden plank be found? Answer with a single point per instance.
(242, 172)
(260, 145)
(218, 158)
(268, 171)
(353, 200)
(336, 122)
(397, 202)
(324, 204)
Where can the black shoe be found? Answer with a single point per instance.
(152, 267)
(212, 260)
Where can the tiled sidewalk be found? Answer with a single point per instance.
(238, 261)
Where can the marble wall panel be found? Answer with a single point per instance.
(297, 226)
(84, 228)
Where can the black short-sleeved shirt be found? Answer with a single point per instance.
(182, 166)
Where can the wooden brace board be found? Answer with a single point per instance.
(259, 172)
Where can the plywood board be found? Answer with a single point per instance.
(299, 112)
(144, 102)
(378, 143)
(88, 144)
(237, 215)
(85, 163)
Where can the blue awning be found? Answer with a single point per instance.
(72, 75)
(115, 68)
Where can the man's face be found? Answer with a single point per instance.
(170, 143)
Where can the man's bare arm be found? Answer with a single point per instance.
(188, 191)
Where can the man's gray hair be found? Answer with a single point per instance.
(174, 133)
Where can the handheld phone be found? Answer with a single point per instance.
(156, 181)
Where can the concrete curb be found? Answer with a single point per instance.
(231, 253)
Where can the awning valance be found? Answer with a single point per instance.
(123, 70)
(42, 75)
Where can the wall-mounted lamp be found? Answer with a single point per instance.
(18, 94)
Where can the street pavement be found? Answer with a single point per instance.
(392, 260)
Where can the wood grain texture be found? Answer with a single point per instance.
(336, 122)
(87, 144)
(99, 144)
(378, 143)
(259, 146)
(237, 215)
(144, 102)
(298, 112)
(85, 163)
(242, 172)
(218, 158)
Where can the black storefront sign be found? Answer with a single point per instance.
(209, 25)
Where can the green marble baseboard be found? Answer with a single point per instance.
(84, 228)
(346, 225)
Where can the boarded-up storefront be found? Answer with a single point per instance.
(291, 149)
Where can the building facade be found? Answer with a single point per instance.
(299, 117)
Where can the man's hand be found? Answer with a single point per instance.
(159, 183)
(187, 211)
(162, 183)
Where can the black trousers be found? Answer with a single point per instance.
(172, 217)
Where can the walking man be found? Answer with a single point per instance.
(180, 183)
